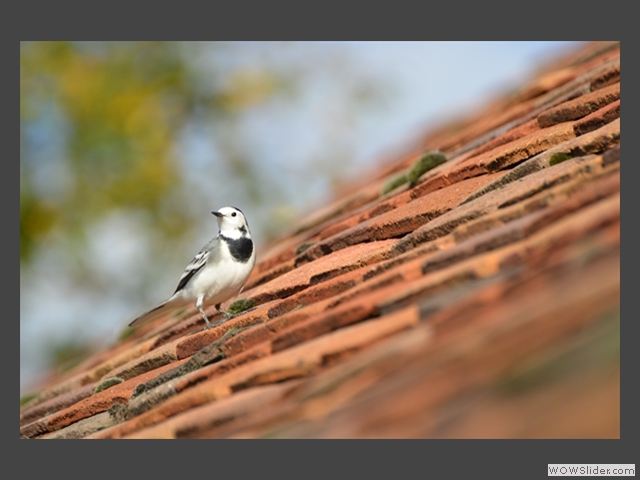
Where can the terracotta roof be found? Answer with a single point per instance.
(478, 298)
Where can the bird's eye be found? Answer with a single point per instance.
(233, 214)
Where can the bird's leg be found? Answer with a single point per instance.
(227, 315)
(201, 310)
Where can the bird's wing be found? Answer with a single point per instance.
(199, 261)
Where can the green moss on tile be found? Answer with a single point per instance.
(559, 157)
(117, 409)
(304, 247)
(424, 164)
(240, 306)
(107, 383)
(394, 183)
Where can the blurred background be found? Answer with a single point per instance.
(126, 147)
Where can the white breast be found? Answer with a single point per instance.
(222, 282)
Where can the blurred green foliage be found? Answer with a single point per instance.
(121, 102)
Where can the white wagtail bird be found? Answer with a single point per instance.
(218, 272)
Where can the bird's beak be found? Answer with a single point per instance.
(217, 214)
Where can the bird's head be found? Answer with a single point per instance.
(232, 222)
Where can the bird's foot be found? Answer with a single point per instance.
(228, 315)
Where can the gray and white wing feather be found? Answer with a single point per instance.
(197, 264)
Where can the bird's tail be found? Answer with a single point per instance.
(162, 309)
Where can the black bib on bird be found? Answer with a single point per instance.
(240, 248)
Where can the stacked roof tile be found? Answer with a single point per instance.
(469, 289)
